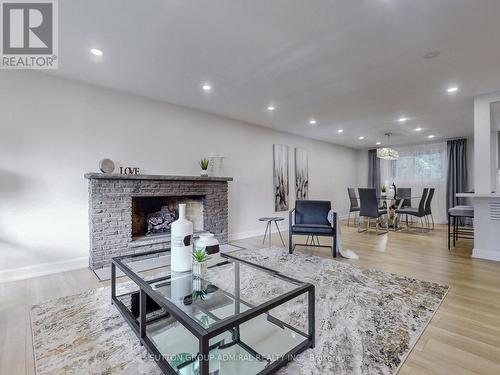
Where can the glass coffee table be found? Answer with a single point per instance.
(238, 318)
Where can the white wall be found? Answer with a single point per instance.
(52, 131)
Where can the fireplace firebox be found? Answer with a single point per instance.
(154, 215)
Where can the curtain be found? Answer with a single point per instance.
(457, 172)
(373, 170)
(419, 167)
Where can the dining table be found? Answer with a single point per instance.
(389, 203)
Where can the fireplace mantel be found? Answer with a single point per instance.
(155, 177)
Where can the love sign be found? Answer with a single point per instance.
(129, 170)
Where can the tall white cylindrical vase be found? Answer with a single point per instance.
(181, 247)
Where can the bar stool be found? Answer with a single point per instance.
(459, 212)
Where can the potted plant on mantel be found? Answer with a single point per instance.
(204, 166)
(200, 258)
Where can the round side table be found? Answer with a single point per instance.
(270, 220)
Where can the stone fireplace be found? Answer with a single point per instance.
(120, 205)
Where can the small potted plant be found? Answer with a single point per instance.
(383, 189)
(200, 258)
(204, 166)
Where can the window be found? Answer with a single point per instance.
(419, 167)
(422, 166)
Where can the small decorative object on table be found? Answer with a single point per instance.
(383, 189)
(204, 166)
(208, 243)
(200, 258)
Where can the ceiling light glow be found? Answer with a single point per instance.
(403, 119)
(312, 122)
(418, 129)
(431, 136)
(96, 52)
(340, 131)
(361, 138)
(378, 143)
(206, 87)
(271, 108)
(452, 89)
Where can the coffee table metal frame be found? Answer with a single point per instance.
(205, 334)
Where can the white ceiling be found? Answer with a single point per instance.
(351, 64)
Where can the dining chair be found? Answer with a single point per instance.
(403, 196)
(354, 205)
(418, 212)
(369, 208)
(428, 209)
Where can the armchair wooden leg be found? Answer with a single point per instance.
(290, 244)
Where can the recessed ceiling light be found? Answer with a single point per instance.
(340, 131)
(418, 129)
(96, 52)
(403, 119)
(378, 143)
(432, 54)
(312, 122)
(361, 138)
(271, 108)
(431, 136)
(206, 87)
(452, 89)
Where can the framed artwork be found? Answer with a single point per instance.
(280, 177)
(301, 174)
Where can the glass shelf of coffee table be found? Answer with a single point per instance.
(239, 318)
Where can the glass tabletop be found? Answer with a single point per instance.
(227, 288)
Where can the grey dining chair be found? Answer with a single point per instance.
(369, 209)
(354, 205)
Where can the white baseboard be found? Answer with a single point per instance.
(255, 233)
(486, 254)
(36, 270)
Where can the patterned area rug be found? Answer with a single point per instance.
(367, 322)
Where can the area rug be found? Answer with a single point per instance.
(367, 322)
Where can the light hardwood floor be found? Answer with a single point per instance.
(462, 338)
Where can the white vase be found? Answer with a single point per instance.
(208, 243)
(204, 172)
(181, 243)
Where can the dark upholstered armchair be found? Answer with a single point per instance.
(310, 218)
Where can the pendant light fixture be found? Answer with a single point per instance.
(387, 153)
